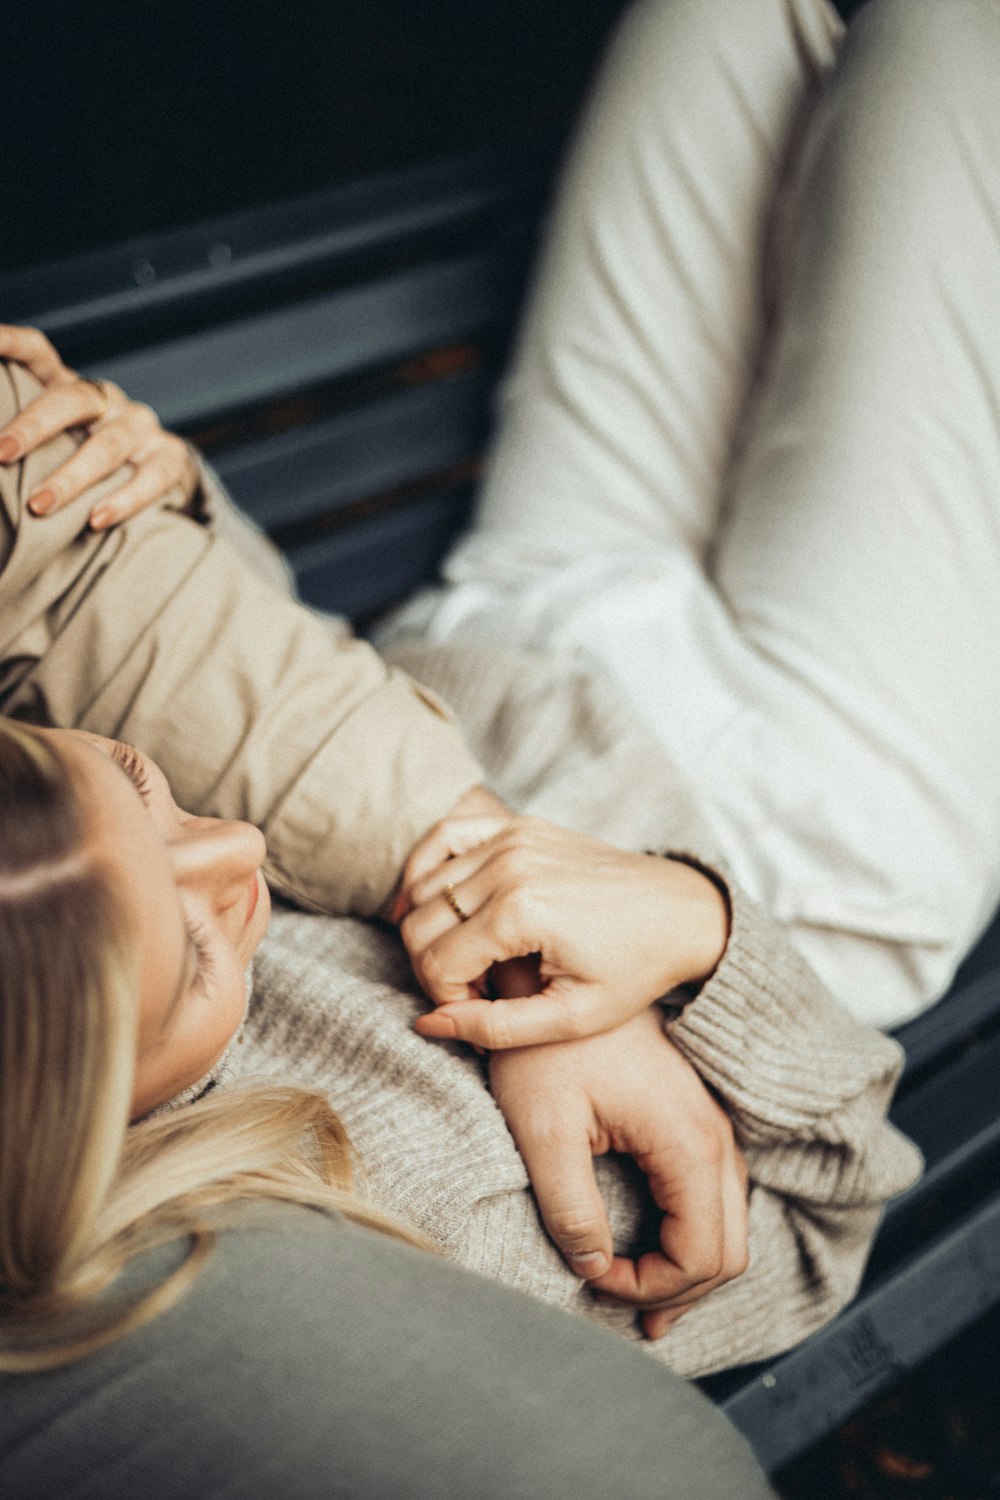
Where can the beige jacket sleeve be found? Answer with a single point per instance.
(159, 633)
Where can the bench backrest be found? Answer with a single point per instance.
(332, 355)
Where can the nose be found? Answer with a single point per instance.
(216, 859)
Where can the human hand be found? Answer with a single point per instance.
(630, 1091)
(612, 932)
(476, 816)
(122, 432)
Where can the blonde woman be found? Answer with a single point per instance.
(172, 1318)
(107, 629)
(127, 926)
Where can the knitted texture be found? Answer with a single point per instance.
(806, 1085)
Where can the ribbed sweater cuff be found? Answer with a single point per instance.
(767, 1035)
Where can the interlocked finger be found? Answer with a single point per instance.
(67, 404)
(95, 460)
(454, 903)
(425, 873)
(453, 955)
(460, 865)
(443, 913)
(666, 1284)
(159, 478)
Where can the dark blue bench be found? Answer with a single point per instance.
(334, 356)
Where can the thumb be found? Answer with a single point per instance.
(564, 1010)
(561, 1169)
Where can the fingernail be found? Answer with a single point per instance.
(441, 1027)
(656, 1328)
(591, 1263)
(42, 503)
(8, 450)
(99, 519)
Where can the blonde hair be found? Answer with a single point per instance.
(82, 1191)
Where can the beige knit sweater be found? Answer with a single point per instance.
(807, 1086)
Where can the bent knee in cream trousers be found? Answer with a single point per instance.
(749, 457)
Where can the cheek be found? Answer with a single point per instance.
(221, 1015)
(195, 1044)
(253, 934)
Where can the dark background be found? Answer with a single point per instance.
(125, 118)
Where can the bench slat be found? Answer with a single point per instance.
(941, 1290)
(953, 1112)
(321, 468)
(203, 376)
(972, 1004)
(364, 569)
(103, 292)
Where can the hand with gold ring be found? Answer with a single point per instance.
(507, 979)
(448, 891)
(125, 440)
(595, 934)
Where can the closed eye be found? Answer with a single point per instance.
(133, 764)
(201, 960)
(204, 955)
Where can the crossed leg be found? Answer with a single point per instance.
(749, 457)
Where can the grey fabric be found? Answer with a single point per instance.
(316, 1360)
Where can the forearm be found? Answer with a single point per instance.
(213, 507)
(255, 707)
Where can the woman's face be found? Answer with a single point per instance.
(198, 903)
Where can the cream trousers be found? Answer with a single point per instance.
(749, 457)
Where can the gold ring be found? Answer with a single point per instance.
(101, 387)
(455, 904)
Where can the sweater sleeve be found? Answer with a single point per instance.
(807, 1087)
(158, 632)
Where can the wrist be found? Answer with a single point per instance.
(700, 919)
